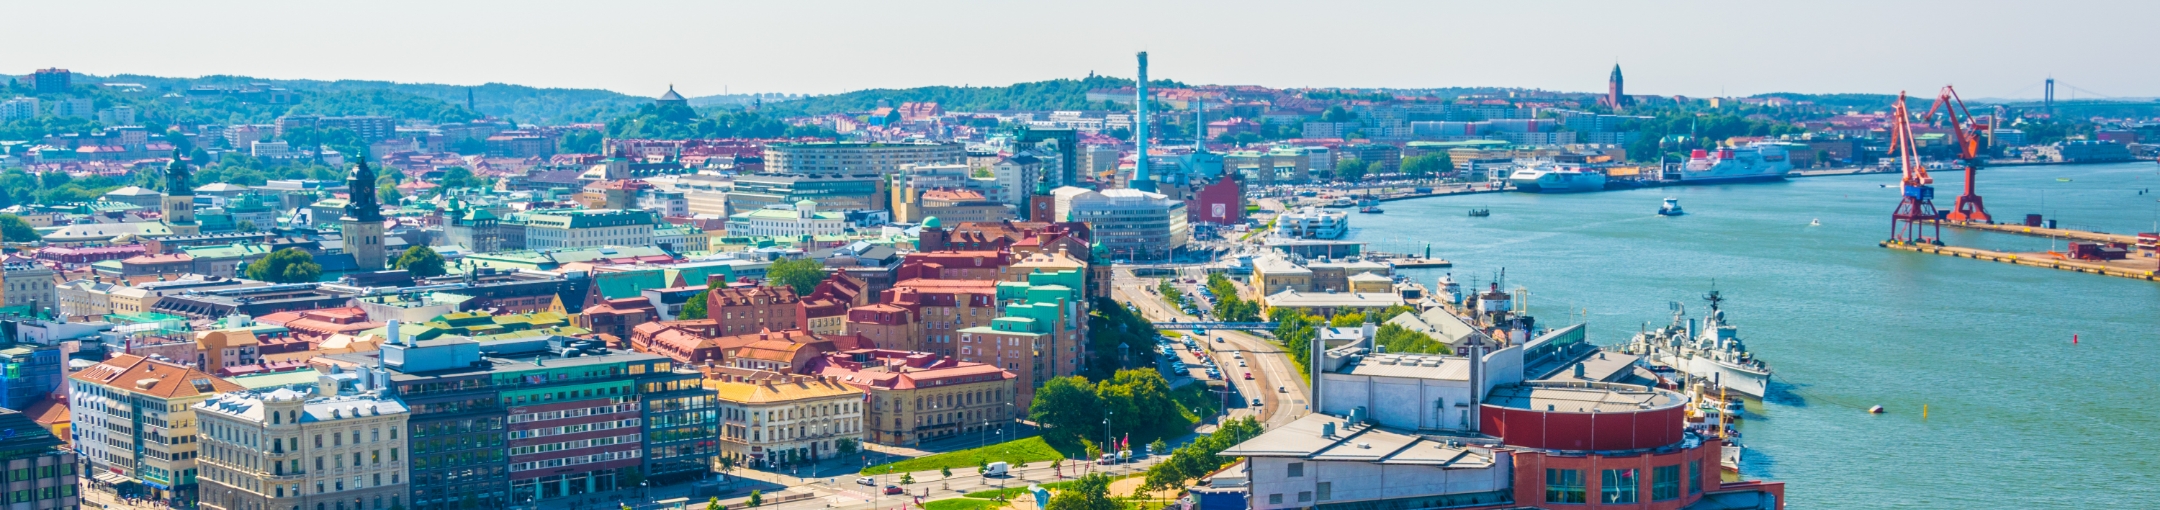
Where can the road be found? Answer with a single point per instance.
(1275, 380)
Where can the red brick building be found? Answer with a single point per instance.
(615, 317)
(741, 310)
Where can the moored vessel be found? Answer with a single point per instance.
(1713, 354)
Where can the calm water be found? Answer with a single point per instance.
(2018, 417)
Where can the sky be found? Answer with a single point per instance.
(1988, 48)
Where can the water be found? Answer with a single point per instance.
(2018, 417)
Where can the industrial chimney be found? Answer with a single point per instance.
(1141, 179)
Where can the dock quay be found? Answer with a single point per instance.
(2134, 269)
(2059, 233)
(1414, 262)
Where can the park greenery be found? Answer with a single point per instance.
(1015, 452)
(1134, 405)
(290, 265)
(1090, 492)
(677, 122)
(1202, 456)
(1297, 331)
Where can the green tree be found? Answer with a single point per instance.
(1067, 406)
(421, 262)
(802, 274)
(1139, 404)
(695, 307)
(290, 265)
(460, 177)
(581, 141)
(246, 226)
(713, 504)
(14, 230)
(907, 479)
(388, 194)
(1337, 114)
(1091, 492)
(945, 472)
(757, 497)
(846, 446)
(1352, 169)
(1423, 166)
(1158, 447)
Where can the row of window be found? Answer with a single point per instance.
(572, 445)
(26, 474)
(1621, 485)
(573, 429)
(29, 495)
(581, 459)
(574, 413)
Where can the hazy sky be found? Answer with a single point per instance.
(1988, 48)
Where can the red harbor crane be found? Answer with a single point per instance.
(1916, 207)
(1967, 130)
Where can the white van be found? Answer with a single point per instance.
(996, 470)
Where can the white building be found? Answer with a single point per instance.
(857, 157)
(19, 108)
(1321, 460)
(277, 149)
(117, 116)
(778, 417)
(135, 418)
(74, 107)
(781, 221)
(1130, 223)
(1016, 177)
(288, 449)
(30, 283)
(587, 228)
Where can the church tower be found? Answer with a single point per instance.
(363, 221)
(1615, 94)
(178, 206)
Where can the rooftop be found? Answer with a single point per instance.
(1307, 438)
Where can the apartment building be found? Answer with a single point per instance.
(744, 310)
(42, 471)
(587, 228)
(286, 449)
(778, 421)
(134, 418)
(918, 396)
(857, 157)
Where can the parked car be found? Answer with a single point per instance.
(866, 481)
(893, 489)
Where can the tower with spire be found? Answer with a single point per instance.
(363, 221)
(178, 206)
(1615, 95)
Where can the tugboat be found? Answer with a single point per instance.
(1716, 354)
(1671, 207)
(1371, 209)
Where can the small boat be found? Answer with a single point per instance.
(1371, 209)
(1815, 222)
(1480, 212)
(1671, 208)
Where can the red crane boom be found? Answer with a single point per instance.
(1967, 131)
(1916, 205)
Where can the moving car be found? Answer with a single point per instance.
(1256, 401)
(996, 469)
(866, 481)
(1248, 376)
(893, 489)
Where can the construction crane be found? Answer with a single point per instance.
(1966, 131)
(1916, 205)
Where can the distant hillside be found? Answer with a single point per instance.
(1061, 94)
(528, 105)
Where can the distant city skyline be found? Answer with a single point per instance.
(1989, 49)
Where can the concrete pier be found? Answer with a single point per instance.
(2058, 233)
(2136, 269)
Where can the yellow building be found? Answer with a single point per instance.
(779, 418)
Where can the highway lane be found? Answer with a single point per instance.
(1271, 368)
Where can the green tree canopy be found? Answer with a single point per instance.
(1352, 169)
(421, 261)
(1090, 492)
(695, 307)
(14, 230)
(801, 274)
(290, 265)
(1067, 406)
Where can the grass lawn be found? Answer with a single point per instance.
(1007, 493)
(1017, 452)
(962, 504)
(1195, 402)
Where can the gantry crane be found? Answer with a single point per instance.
(1967, 135)
(1916, 206)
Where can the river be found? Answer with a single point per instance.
(2017, 416)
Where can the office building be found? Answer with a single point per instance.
(42, 470)
(587, 228)
(135, 418)
(778, 420)
(916, 396)
(286, 449)
(1130, 224)
(856, 157)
